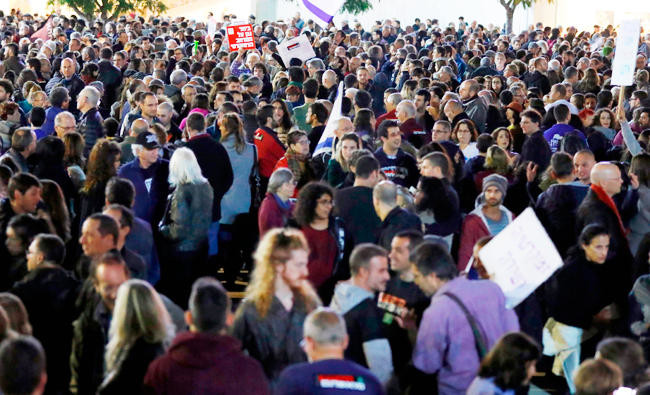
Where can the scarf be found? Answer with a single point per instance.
(605, 198)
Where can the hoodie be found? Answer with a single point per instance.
(202, 363)
(368, 344)
(475, 226)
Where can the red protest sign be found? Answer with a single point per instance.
(240, 36)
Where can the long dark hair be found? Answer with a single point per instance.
(305, 210)
(101, 163)
(286, 117)
(506, 362)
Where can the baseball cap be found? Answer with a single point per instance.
(148, 140)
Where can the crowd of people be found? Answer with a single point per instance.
(147, 172)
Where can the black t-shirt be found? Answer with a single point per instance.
(329, 376)
(398, 338)
(354, 205)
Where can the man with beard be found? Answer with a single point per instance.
(489, 218)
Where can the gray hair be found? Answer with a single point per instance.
(408, 107)
(394, 99)
(178, 77)
(318, 64)
(325, 327)
(184, 168)
(279, 178)
(59, 117)
(92, 94)
(386, 192)
(166, 106)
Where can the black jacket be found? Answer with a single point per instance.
(593, 210)
(445, 206)
(537, 80)
(215, 166)
(128, 378)
(354, 205)
(537, 150)
(556, 209)
(91, 128)
(579, 290)
(397, 220)
(49, 294)
(111, 77)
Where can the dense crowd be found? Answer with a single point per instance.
(147, 170)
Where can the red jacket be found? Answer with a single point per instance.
(389, 115)
(271, 215)
(269, 150)
(201, 363)
(474, 227)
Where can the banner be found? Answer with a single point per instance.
(240, 36)
(322, 11)
(44, 32)
(520, 258)
(327, 138)
(627, 45)
(298, 47)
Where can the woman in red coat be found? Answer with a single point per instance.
(277, 207)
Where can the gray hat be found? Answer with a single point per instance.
(496, 180)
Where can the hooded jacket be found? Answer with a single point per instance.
(475, 226)
(368, 345)
(202, 363)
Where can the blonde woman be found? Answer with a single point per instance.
(338, 167)
(269, 321)
(140, 331)
(496, 161)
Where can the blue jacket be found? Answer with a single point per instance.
(149, 202)
(51, 113)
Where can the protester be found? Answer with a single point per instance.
(116, 90)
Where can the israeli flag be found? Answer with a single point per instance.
(327, 139)
(322, 11)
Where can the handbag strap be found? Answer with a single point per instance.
(479, 341)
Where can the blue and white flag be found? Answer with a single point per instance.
(327, 138)
(322, 11)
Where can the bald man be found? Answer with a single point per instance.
(329, 85)
(410, 128)
(598, 207)
(583, 162)
(69, 79)
(475, 107)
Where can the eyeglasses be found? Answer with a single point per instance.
(325, 202)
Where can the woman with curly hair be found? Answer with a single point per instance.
(269, 321)
(325, 235)
(605, 123)
(103, 162)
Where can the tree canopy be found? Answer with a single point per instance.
(107, 10)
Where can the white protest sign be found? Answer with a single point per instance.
(298, 47)
(627, 45)
(520, 258)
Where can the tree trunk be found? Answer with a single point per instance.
(510, 12)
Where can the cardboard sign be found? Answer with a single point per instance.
(627, 45)
(520, 258)
(298, 47)
(240, 36)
